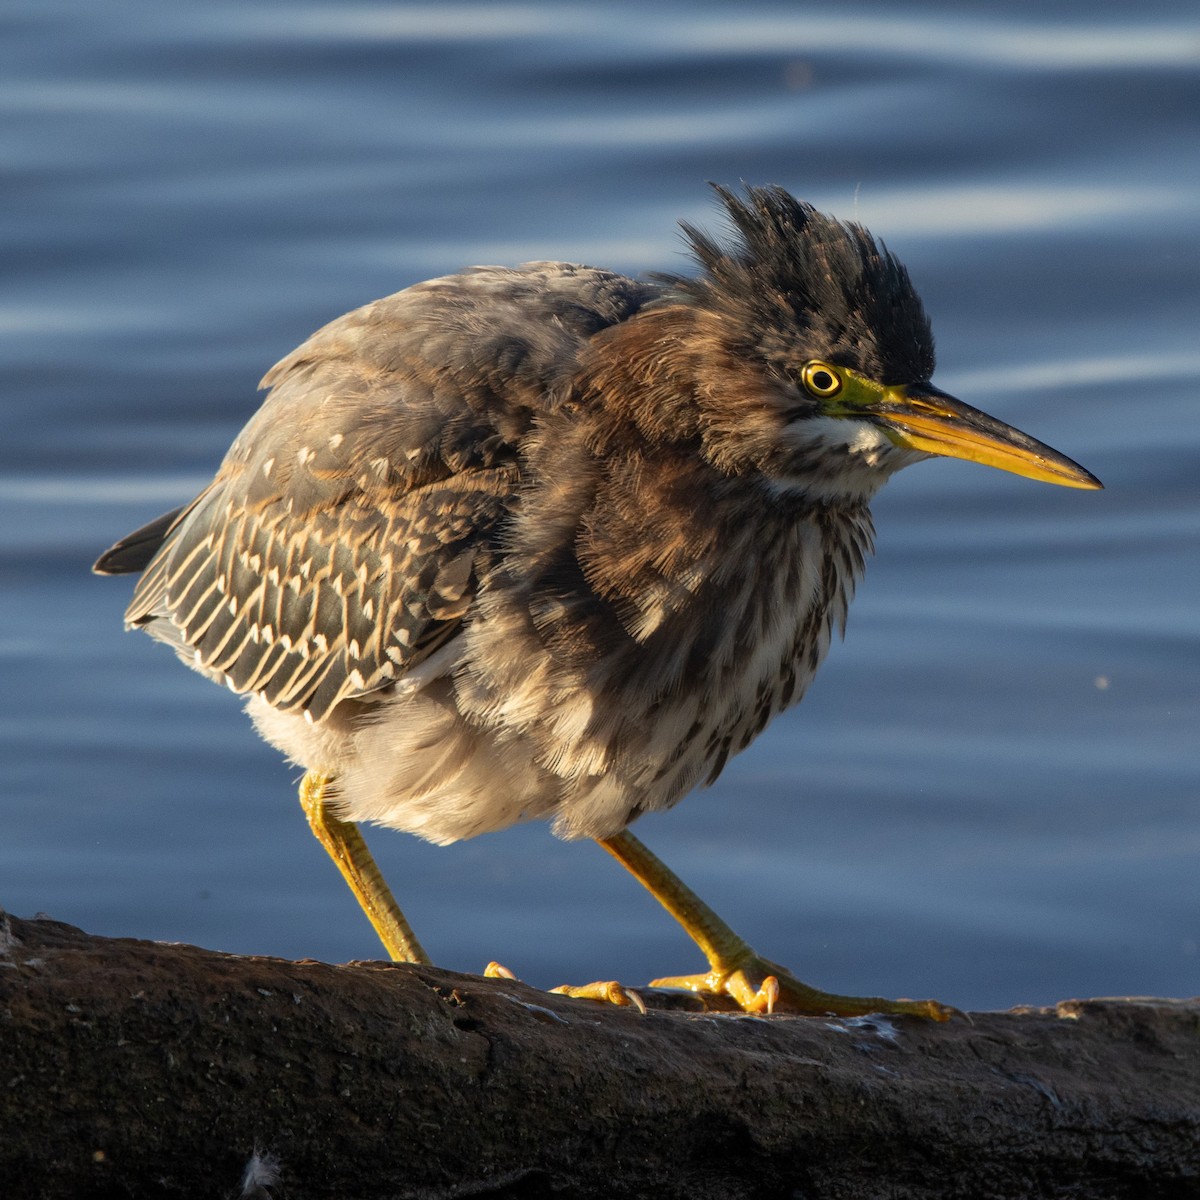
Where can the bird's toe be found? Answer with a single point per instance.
(608, 991)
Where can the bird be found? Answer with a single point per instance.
(550, 542)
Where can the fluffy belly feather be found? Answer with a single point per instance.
(495, 729)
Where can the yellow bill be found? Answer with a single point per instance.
(924, 418)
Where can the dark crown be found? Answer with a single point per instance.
(800, 285)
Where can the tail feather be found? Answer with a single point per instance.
(134, 551)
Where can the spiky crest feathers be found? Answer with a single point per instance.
(795, 284)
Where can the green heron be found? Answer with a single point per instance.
(552, 542)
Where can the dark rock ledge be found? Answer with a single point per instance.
(140, 1069)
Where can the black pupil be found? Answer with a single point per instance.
(822, 380)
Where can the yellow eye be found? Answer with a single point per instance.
(821, 379)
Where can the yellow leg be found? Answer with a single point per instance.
(735, 969)
(345, 845)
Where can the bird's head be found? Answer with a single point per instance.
(819, 358)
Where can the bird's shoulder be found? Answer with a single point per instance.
(488, 336)
(444, 377)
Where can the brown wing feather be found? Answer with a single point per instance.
(344, 538)
(339, 603)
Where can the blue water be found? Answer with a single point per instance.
(990, 795)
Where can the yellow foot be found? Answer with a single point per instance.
(609, 992)
(758, 985)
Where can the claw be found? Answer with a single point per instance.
(768, 995)
(757, 985)
(609, 992)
